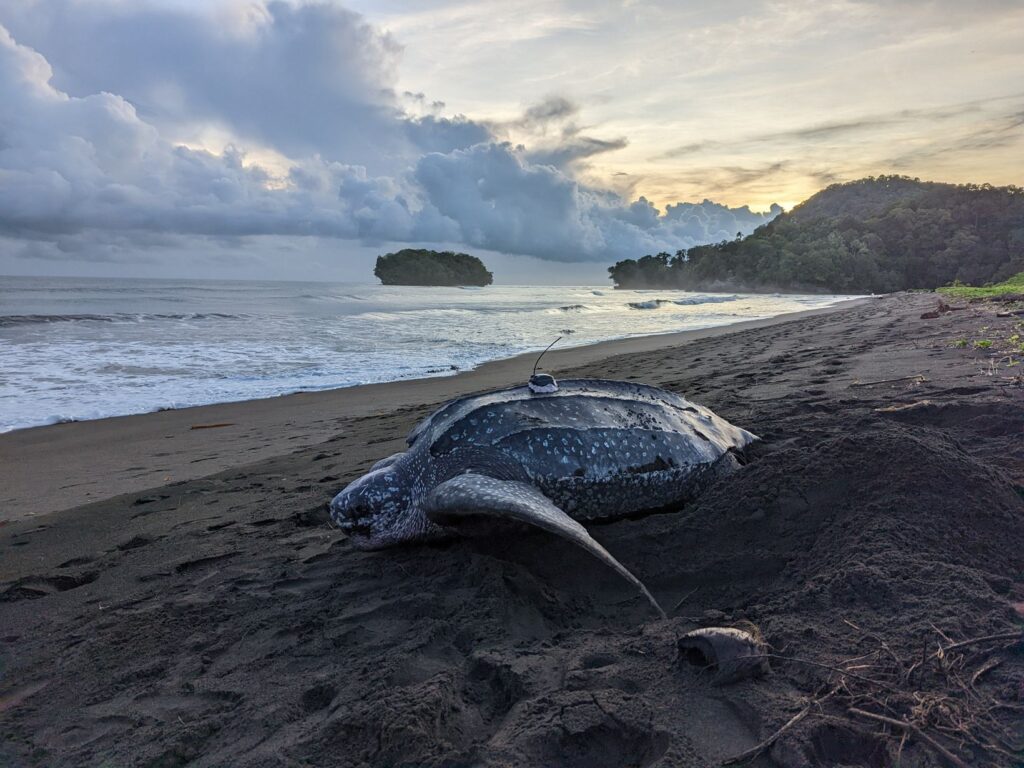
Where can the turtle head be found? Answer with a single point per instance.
(377, 510)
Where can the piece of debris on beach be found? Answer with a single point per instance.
(732, 654)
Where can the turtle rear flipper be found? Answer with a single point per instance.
(466, 500)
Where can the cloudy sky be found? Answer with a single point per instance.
(241, 138)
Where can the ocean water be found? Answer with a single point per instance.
(73, 349)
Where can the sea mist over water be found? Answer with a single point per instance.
(74, 349)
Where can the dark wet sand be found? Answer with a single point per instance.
(217, 619)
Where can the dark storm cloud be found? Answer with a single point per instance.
(444, 134)
(95, 95)
(503, 202)
(551, 109)
(556, 139)
(575, 149)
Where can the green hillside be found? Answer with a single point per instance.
(874, 235)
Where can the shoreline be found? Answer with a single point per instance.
(111, 456)
(436, 369)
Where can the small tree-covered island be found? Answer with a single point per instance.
(419, 266)
(876, 235)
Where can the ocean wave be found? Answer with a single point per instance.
(342, 297)
(704, 300)
(423, 314)
(107, 355)
(10, 321)
(649, 304)
(687, 302)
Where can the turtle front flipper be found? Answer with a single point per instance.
(469, 498)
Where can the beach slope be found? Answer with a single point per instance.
(221, 620)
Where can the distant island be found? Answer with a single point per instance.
(418, 266)
(876, 235)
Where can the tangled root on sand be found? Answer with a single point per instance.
(931, 699)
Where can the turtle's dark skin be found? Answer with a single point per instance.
(590, 450)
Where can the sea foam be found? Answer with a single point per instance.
(82, 349)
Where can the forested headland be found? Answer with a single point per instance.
(418, 266)
(875, 235)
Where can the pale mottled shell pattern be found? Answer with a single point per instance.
(596, 448)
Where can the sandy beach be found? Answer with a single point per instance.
(172, 593)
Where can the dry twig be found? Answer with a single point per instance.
(683, 599)
(756, 750)
(821, 665)
(917, 377)
(988, 666)
(941, 709)
(1015, 635)
(904, 725)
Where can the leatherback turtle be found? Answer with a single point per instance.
(549, 454)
